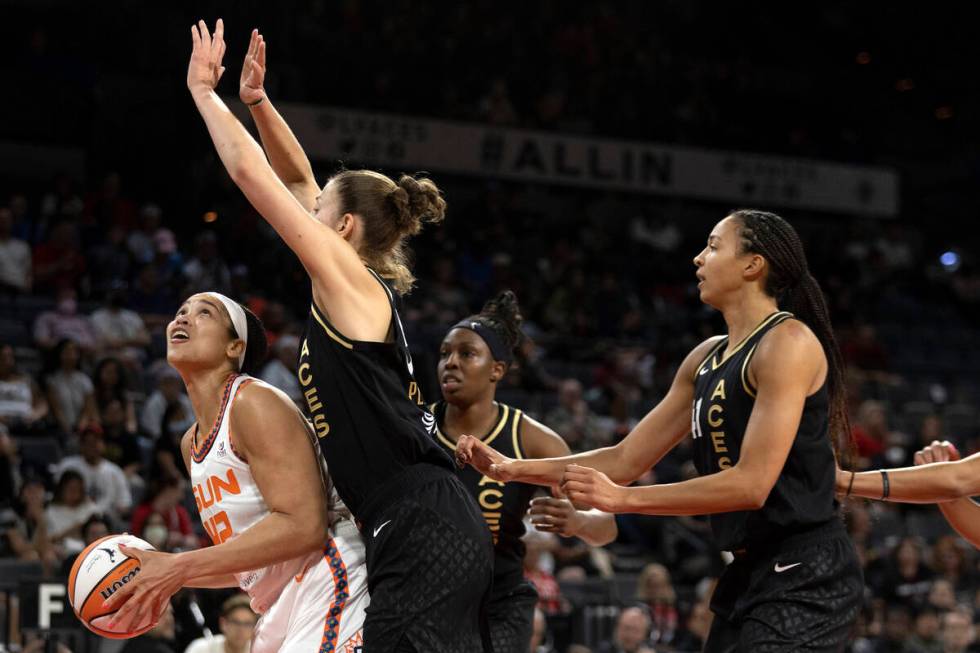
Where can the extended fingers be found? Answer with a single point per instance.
(205, 34)
(261, 54)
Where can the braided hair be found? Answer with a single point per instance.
(789, 281)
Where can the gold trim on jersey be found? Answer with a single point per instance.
(711, 354)
(504, 412)
(515, 430)
(330, 332)
(745, 372)
(738, 347)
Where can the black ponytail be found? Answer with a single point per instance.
(502, 314)
(789, 281)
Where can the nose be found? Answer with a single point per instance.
(451, 361)
(698, 261)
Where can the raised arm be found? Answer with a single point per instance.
(286, 155)
(651, 439)
(930, 483)
(788, 366)
(332, 264)
(558, 514)
(272, 435)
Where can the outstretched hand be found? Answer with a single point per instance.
(251, 88)
(142, 600)
(483, 458)
(205, 67)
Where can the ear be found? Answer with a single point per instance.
(755, 267)
(235, 349)
(346, 225)
(497, 371)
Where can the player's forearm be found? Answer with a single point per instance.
(235, 146)
(727, 491)
(964, 516)
(213, 581)
(598, 528)
(286, 155)
(276, 538)
(925, 484)
(549, 471)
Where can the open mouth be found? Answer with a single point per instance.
(179, 335)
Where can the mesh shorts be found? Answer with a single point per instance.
(430, 566)
(802, 595)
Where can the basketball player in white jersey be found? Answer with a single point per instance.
(262, 495)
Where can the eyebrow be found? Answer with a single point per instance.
(713, 237)
(206, 301)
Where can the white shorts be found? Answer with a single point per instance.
(322, 609)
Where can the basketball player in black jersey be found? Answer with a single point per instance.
(762, 404)
(942, 477)
(429, 552)
(473, 357)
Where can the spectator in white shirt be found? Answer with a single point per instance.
(281, 370)
(105, 482)
(69, 509)
(15, 257)
(71, 395)
(237, 622)
(119, 331)
(170, 390)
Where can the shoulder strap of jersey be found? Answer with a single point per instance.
(711, 352)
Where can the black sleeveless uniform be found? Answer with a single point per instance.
(795, 582)
(504, 505)
(429, 555)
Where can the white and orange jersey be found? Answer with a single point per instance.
(230, 502)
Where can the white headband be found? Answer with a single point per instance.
(237, 315)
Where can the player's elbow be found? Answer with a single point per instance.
(751, 492)
(312, 532)
(960, 482)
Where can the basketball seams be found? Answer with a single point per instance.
(128, 564)
(73, 575)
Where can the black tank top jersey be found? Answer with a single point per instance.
(366, 407)
(503, 504)
(803, 495)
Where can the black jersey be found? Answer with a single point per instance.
(723, 399)
(503, 504)
(366, 407)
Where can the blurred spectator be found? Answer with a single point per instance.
(9, 472)
(656, 591)
(23, 406)
(896, 630)
(942, 595)
(237, 623)
(62, 199)
(59, 261)
(903, 576)
(161, 639)
(207, 271)
(958, 631)
(280, 371)
(925, 631)
(164, 499)
(154, 300)
(110, 261)
(15, 257)
(24, 529)
(630, 636)
(122, 446)
(69, 509)
(105, 482)
(871, 433)
(538, 567)
(167, 260)
(169, 392)
(110, 385)
(496, 107)
(694, 634)
(120, 331)
(71, 394)
(64, 322)
(108, 206)
(574, 420)
(140, 241)
(863, 351)
(950, 562)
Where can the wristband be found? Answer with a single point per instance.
(257, 102)
(850, 485)
(885, 486)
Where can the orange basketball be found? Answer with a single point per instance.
(101, 570)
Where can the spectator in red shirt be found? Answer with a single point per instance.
(59, 262)
(164, 499)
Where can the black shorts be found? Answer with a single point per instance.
(430, 568)
(512, 619)
(801, 594)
